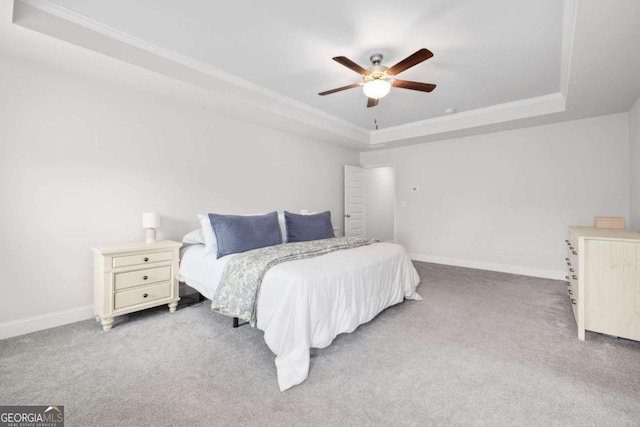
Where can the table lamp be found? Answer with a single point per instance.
(151, 221)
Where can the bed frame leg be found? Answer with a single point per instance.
(236, 322)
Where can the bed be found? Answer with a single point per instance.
(306, 303)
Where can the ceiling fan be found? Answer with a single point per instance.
(378, 79)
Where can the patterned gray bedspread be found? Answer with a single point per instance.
(238, 290)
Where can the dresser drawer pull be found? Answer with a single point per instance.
(570, 292)
(571, 247)
(574, 252)
(146, 259)
(145, 277)
(574, 277)
(567, 259)
(573, 301)
(569, 264)
(568, 284)
(571, 269)
(145, 295)
(567, 277)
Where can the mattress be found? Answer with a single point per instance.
(201, 271)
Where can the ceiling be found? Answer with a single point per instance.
(498, 63)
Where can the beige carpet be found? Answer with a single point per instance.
(481, 349)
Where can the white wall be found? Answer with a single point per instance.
(81, 160)
(503, 201)
(380, 198)
(634, 165)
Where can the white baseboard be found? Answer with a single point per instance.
(502, 268)
(59, 318)
(44, 321)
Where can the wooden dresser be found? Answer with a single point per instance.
(132, 277)
(603, 281)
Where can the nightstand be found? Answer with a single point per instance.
(134, 276)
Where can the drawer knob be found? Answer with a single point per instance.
(567, 277)
(574, 252)
(574, 277)
(145, 295)
(573, 301)
(145, 277)
(146, 259)
(570, 292)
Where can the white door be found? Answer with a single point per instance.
(354, 203)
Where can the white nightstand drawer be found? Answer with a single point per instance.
(142, 277)
(141, 295)
(125, 261)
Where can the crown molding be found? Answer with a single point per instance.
(525, 108)
(255, 102)
(569, 18)
(259, 96)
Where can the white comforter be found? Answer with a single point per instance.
(307, 303)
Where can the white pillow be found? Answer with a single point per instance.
(209, 236)
(210, 242)
(283, 226)
(194, 237)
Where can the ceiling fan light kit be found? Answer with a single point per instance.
(378, 79)
(376, 83)
(376, 88)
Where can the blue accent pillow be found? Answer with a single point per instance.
(302, 228)
(239, 233)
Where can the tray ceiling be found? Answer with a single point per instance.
(495, 61)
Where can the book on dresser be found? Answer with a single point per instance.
(603, 281)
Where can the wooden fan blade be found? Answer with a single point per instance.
(350, 64)
(371, 102)
(410, 61)
(339, 89)
(405, 84)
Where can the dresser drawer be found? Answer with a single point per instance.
(125, 261)
(142, 277)
(143, 295)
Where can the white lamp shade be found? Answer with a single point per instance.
(376, 88)
(150, 220)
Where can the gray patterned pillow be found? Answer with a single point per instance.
(239, 233)
(302, 228)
